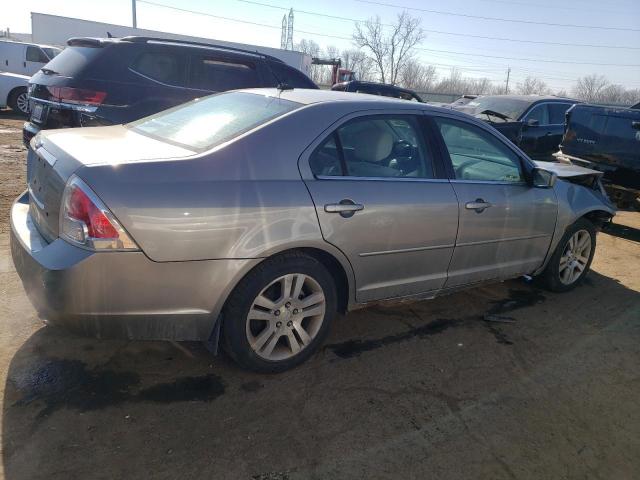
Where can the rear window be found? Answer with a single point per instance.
(73, 60)
(207, 122)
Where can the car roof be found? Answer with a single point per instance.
(309, 96)
(376, 84)
(535, 98)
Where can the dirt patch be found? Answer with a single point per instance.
(13, 164)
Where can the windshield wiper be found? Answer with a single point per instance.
(493, 113)
(48, 71)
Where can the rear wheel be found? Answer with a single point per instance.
(280, 313)
(572, 258)
(19, 101)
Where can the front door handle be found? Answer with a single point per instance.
(479, 205)
(345, 208)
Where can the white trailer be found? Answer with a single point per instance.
(57, 30)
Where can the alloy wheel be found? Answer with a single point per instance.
(575, 257)
(285, 317)
(22, 102)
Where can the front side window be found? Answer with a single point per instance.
(164, 67)
(217, 74)
(377, 147)
(35, 54)
(204, 123)
(477, 154)
(539, 113)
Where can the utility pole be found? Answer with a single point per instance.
(506, 88)
(133, 13)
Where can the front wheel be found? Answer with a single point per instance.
(280, 313)
(19, 101)
(572, 258)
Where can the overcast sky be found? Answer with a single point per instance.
(618, 23)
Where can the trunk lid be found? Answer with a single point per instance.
(59, 153)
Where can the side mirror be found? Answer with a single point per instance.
(543, 178)
(532, 122)
(635, 125)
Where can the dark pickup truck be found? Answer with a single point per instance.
(535, 123)
(606, 139)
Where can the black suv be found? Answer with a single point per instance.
(104, 81)
(534, 123)
(373, 88)
(607, 139)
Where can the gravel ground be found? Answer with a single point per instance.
(423, 390)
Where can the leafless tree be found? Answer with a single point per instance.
(358, 62)
(418, 77)
(390, 51)
(532, 85)
(313, 49)
(589, 88)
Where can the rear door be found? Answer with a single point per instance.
(505, 224)
(381, 198)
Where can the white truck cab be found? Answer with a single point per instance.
(25, 58)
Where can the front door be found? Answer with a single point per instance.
(505, 224)
(379, 201)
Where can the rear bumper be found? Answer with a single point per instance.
(119, 294)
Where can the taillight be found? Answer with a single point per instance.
(81, 96)
(86, 221)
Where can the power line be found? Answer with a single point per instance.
(417, 48)
(499, 19)
(442, 32)
(531, 59)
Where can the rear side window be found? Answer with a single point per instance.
(72, 61)
(217, 74)
(377, 146)
(289, 75)
(164, 67)
(35, 54)
(210, 121)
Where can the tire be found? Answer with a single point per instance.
(556, 278)
(262, 324)
(19, 101)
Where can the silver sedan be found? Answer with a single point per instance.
(253, 217)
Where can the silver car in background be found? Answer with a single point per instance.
(254, 216)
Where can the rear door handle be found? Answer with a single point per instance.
(479, 205)
(345, 208)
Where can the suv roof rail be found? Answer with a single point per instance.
(137, 39)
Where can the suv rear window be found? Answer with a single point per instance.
(164, 67)
(73, 60)
(204, 123)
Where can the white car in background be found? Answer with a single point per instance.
(14, 92)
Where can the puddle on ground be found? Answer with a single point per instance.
(60, 383)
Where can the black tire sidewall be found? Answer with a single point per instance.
(241, 300)
(552, 271)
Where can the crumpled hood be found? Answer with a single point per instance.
(565, 170)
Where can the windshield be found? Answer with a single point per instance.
(51, 52)
(511, 107)
(206, 122)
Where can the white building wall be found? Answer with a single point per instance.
(55, 30)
